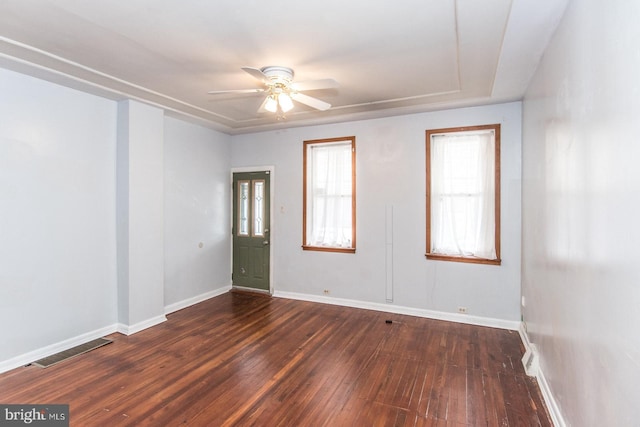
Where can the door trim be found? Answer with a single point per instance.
(272, 236)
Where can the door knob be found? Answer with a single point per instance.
(265, 243)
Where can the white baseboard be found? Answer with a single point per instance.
(547, 395)
(140, 326)
(26, 358)
(397, 309)
(195, 300)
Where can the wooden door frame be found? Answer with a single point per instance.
(272, 239)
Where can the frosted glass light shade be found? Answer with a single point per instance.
(271, 105)
(285, 101)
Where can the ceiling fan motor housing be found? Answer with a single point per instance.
(277, 74)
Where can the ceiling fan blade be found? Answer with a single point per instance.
(315, 84)
(220, 92)
(257, 73)
(310, 101)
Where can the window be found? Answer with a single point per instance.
(329, 195)
(463, 194)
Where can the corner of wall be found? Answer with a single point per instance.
(140, 326)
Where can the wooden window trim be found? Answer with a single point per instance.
(328, 249)
(352, 140)
(473, 260)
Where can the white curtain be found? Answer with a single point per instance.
(463, 194)
(329, 195)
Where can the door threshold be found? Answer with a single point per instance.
(250, 290)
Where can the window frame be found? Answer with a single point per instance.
(305, 246)
(462, 258)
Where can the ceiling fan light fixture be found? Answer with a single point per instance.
(286, 104)
(271, 104)
(281, 91)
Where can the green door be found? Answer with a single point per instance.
(251, 230)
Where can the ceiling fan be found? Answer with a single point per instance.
(281, 90)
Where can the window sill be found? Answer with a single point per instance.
(471, 260)
(329, 249)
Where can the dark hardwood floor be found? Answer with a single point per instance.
(241, 359)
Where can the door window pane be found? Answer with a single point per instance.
(258, 208)
(243, 208)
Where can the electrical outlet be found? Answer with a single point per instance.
(326, 291)
(462, 310)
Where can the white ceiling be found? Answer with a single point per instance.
(389, 56)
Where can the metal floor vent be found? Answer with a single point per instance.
(530, 361)
(72, 352)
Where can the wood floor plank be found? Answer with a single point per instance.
(475, 395)
(244, 359)
(519, 407)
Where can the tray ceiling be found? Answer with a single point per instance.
(389, 58)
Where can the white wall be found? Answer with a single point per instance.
(140, 217)
(196, 210)
(57, 213)
(390, 169)
(58, 216)
(581, 181)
